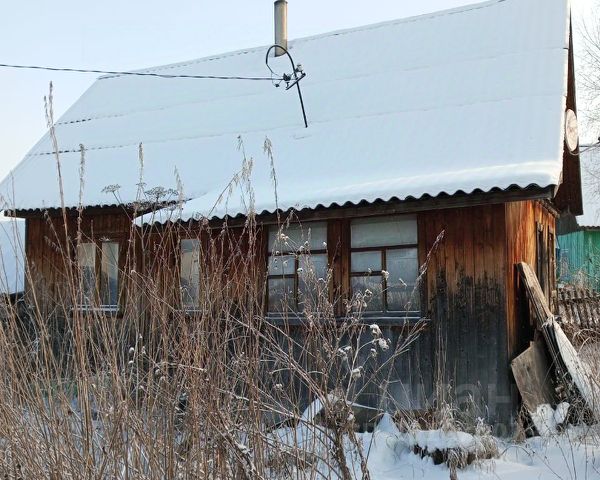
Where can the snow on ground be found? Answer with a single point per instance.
(574, 454)
(537, 458)
(547, 420)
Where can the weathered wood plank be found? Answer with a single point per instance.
(535, 293)
(531, 370)
(469, 327)
(493, 319)
(334, 249)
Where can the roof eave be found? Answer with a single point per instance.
(384, 207)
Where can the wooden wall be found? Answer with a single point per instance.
(474, 297)
(476, 317)
(466, 300)
(50, 249)
(531, 238)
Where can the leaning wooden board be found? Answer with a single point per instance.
(544, 316)
(532, 376)
(580, 372)
(535, 294)
(564, 356)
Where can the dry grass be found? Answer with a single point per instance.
(160, 392)
(218, 391)
(157, 391)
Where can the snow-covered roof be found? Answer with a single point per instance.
(12, 256)
(590, 186)
(460, 100)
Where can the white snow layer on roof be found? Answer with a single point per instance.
(12, 256)
(464, 99)
(590, 186)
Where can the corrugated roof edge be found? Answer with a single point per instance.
(444, 194)
(532, 191)
(344, 31)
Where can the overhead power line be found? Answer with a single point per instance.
(589, 147)
(137, 74)
(291, 79)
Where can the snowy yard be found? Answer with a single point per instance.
(575, 454)
(564, 457)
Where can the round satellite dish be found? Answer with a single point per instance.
(571, 130)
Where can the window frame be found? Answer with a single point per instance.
(184, 307)
(87, 298)
(96, 304)
(104, 286)
(383, 250)
(295, 275)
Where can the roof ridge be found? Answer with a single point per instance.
(333, 33)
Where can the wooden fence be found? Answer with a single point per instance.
(579, 307)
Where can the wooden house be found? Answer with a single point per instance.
(578, 238)
(451, 122)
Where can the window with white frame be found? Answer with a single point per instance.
(384, 263)
(108, 287)
(189, 273)
(297, 266)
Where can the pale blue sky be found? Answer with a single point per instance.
(127, 34)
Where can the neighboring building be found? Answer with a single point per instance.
(579, 237)
(12, 268)
(449, 122)
(12, 258)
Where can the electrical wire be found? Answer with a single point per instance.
(137, 74)
(590, 147)
(291, 80)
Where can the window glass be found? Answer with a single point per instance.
(282, 265)
(366, 261)
(369, 284)
(189, 278)
(403, 266)
(86, 259)
(312, 266)
(312, 276)
(402, 298)
(281, 294)
(384, 231)
(110, 273)
(294, 277)
(290, 239)
(384, 262)
(403, 271)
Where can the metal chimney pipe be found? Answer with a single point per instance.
(281, 35)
